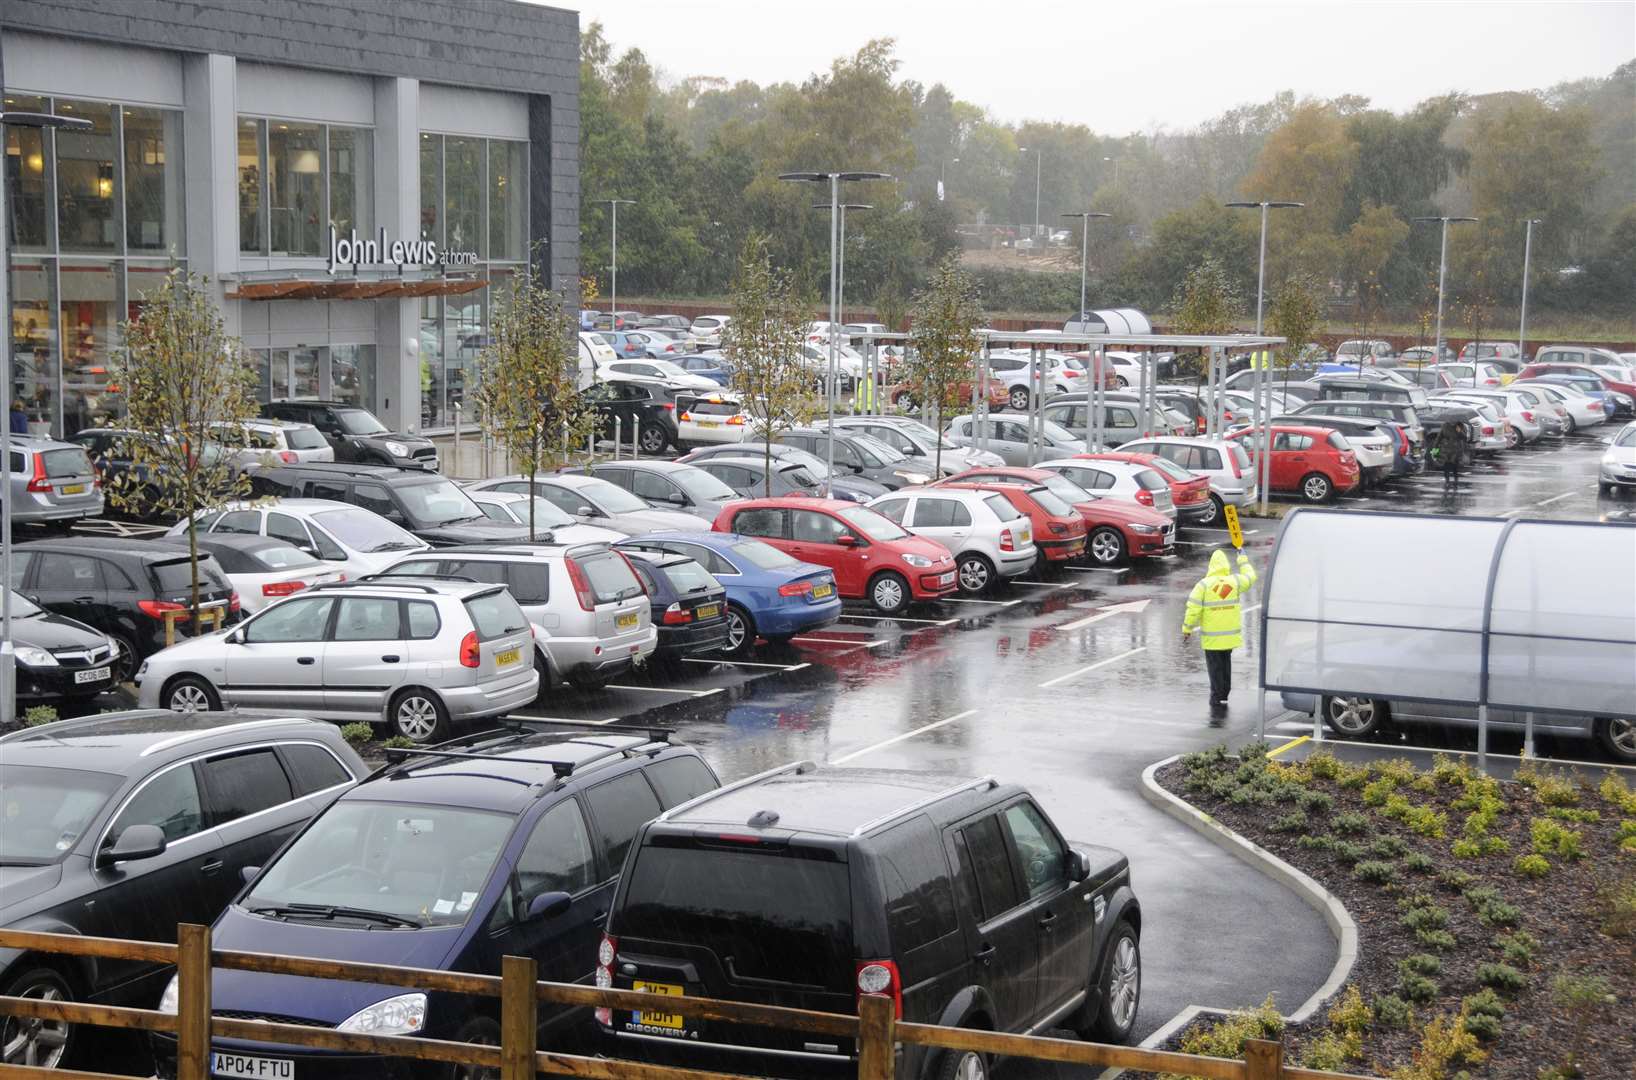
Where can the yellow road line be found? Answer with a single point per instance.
(1288, 745)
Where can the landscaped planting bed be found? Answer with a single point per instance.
(1496, 921)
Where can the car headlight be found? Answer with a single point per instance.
(397, 449)
(909, 477)
(917, 560)
(401, 1015)
(167, 1000)
(113, 648)
(143, 670)
(1608, 461)
(1623, 399)
(1145, 530)
(35, 657)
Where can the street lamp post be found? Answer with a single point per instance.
(1093, 397)
(8, 654)
(613, 270)
(834, 180)
(1442, 276)
(1038, 158)
(1527, 251)
(1263, 387)
(840, 263)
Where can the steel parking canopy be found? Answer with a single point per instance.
(1527, 615)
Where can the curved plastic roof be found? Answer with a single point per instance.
(1528, 615)
(1112, 321)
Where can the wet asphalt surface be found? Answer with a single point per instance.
(1009, 685)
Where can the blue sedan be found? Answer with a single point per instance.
(710, 365)
(769, 594)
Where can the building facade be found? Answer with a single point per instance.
(360, 180)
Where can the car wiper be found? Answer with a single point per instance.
(392, 545)
(330, 911)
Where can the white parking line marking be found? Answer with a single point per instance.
(894, 618)
(1133, 606)
(745, 663)
(894, 740)
(1099, 569)
(1092, 667)
(840, 641)
(1252, 607)
(664, 690)
(1212, 528)
(965, 600)
(1045, 584)
(564, 719)
(1557, 498)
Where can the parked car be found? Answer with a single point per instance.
(991, 539)
(51, 483)
(272, 442)
(769, 594)
(1015, 369)
(687, 604)
(114, 452)
(664, 322)
(433, 508)
(1439, 413)
(669, 485)
(1423, 355)
(757, 477)
(711, 419)
(1483, 375)
(658, 372)
(1010, 438)
(1374, 351)
(1398, 413)
(1223, 462)
(1189, 493)
(1116, 529)
(1618, 466)
(125, 824)
(707, 329)
(587, 601)
(913, 439)
(634, 412)
(980, 915)
(843, 485)
(1427, 378)
(1119, 480)
(871, 556)
(591, 500)
(712, 366)
(1583, 410)
(418, 656)
(349, 539)
(861, 455)
(550, 524)
(60, 661)
(1376, 445)
(994, 392)
(261, 569)
(506, 843)
(355, 434)
(1122, 415)
(1314, 462)
(1497, 351)
(1521, 425)
(1617, 381)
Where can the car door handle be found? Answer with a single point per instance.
(1048, 921)
(390, 658)
(211, 867)
(985, 955)
(82, 599)
(306, 660)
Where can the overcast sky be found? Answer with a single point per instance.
(1133, 65)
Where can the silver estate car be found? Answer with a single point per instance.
(418, 655)
(51, 483)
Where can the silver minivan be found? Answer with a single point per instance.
(51, 483)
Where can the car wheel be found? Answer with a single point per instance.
(190, 694)
(40, 1043)
(1117, 992)
(976, 573)
(1120, 382)
(1512, 439)
(1573, 425)
(1107, 545)
(963, 1065)
(481, 1031)
(1018, 398)
(652, 440)
(1605, 489)
(1618, 737)
(418, 715)
(889, 592)
(128, 661)
(741, 631)
(1213, 515)
(1316, 488)
(542, 664)
(1353, 717)
(904, 401)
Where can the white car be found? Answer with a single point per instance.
(1014, 368)
(593, 501)
(347, 538)
(1583, 410)
(1619, 463)
(1223, 462)
(512, 508)
(707, 329)
(1522, 426)
(1491, 423)
(263, 570)
(272, 442)
(1120, 480)
(593, 354)
(711, 419)
(848, 361)
(1126, 368)
(660, 373)
(1486, 376)
(991, 540)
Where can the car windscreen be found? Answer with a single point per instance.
(1065, 489)
(688, 577)
(359, 422)
(1150, 480)
(304, 438)
(874, 525)
(69, 461)
(177, 575)
(47, 809)
(798, 476)
(609, 576)
(778, 913)
(611, 499)
(546, 514)
(1057, 433)
(1626, 437)
(1002, 507)
(282, 558)
(364, 530)
(701, 486)
(1050, 503)
(764, 556)
(869, 445)
(1169, 468)
(495, 614)
(400, 865)
(437, 502)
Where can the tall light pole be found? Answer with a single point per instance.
(1442, 277)
(1527, 250)
(840, 261)
(1263, 382)
(943, 170)
(834, 180)
(1093, 395)
(1038, 158)
(1261, 266)
(613, 270)
(1084, 217)
(8, 655)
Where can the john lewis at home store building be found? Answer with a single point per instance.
(360, 180)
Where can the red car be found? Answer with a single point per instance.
(1118, 527)
(1189, 492)
(872, 557)
(1314, 462)
(1059, 531)
(903, 395)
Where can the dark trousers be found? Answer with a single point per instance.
(1219, 662)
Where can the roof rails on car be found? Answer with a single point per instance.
(798, 768)
(356, 582)
(561, 769)
(987, 783)
(654, 732)
(384, 578)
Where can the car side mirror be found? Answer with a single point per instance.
(549, 905)
(247, 874)
(1079, 865)
(136, 842)
(585, 511)
(235, 638)
(847, 540)
(677, 499)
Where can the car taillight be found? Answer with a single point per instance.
(1145, 497)
(1528, 416)
(736, 421)
(470, 655)
(1058, 528)
(670, 406)
(880, 978)
(1237, 472)
(685, 416)
(795, 588)
(1007, 541)
(582, 587)
(282, 588)
(156, 608)
(676, 615)
(41, 483)
(605, 954)
(1488, 429)
(288, 457)
(233, 602)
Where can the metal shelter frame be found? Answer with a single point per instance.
(1522, 614)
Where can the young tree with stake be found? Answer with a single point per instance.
(762, 343)
(942, 341)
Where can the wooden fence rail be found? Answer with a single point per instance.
(876, 1030)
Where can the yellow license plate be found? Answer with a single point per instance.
(626, 622)
(706, 611)
(821, 591)
(74, 489)
(710, 423)
(508, 657)
(658, 1019)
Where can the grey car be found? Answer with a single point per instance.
(669, 485)
(861, 455)
(51, 483)
(750, 478)
(591, 500)
(1009, 439)
(915, 440)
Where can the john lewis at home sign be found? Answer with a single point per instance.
(377, 250)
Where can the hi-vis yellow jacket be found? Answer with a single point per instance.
(1213, 607)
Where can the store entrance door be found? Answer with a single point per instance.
(343, 373)
(291, 373)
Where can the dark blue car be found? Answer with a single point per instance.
(711, 365)
(689, 605)
(769, 594)
(502, 843)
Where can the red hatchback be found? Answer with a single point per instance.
(872, 557)
(1189, 492)
(1118, 527)
(1315, 463)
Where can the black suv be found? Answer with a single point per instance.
(356, 434)
(638, 407)
(125, 824)
(808, 886)
(434, 508)
(122, 587)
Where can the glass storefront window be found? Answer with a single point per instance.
(463, 194)
(508, 199)
(351, 180)
(295, 187)
(431, 362)
(352, 375)
(27, 182)
(153, 180)
(431, 188)
(252, 229)
(87, 211)
(34, 375)
(90, 314)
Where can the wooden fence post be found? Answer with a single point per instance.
(876, 1018)
(518, 1018)
(1264, 1058)
(193, 1002)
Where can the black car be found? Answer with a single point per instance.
(122, 587)
(112, 451)
(504, 843)
(669, 485)
(60, 660)
(646, 410)
(807, 886)
(689, 604)
(434, 508)
(749, 476)
(356, 434)
(125, 824)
